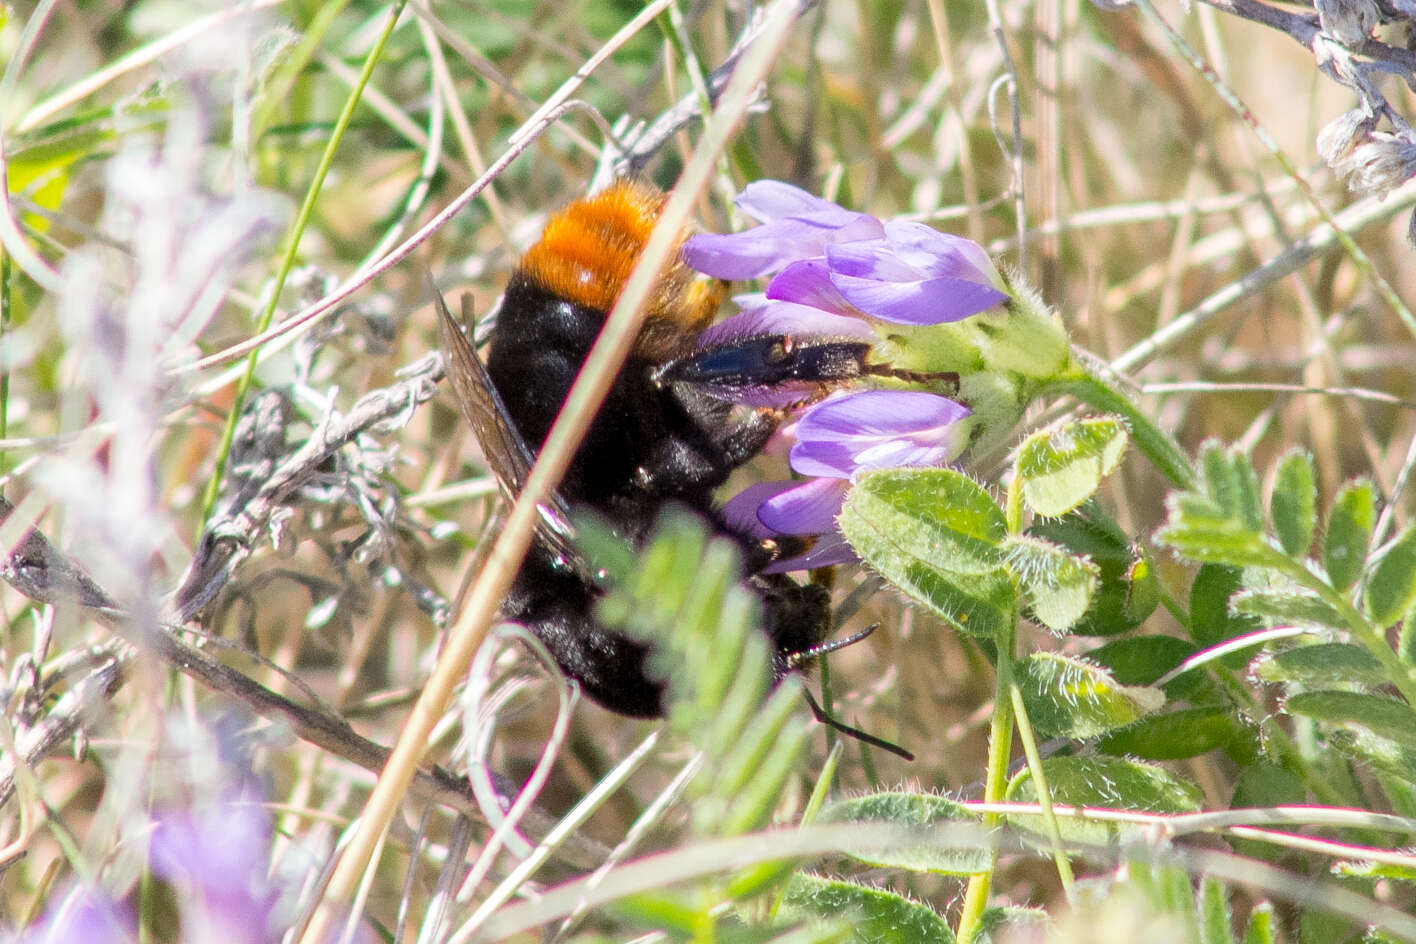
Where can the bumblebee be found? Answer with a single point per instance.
(665, 433)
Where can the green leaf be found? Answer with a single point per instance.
(1211, 620)
(1188, 732)
(1067, 697)
(936, 535)
(1293, 503)
(877, 916)
(1388, 870)
(1406, 638)
(1128, 591)
(1382, 716)
(1141, 660)
(1265, 784)
(920, 810)
(1026, 921)
(1058, 585)
(1200, 529)
(1392, 587)
(1060, 468)
(937, 515)
(1286, 607)
(1329, 663)
(1349, 531)
(1231, 483)
(1108, 783)
(1215, 917)
(1261, 929)
(1383, 754)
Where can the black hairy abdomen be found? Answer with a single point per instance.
(646, 448)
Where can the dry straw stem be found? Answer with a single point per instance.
(585, 397)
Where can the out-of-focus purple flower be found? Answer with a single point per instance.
(872, 429)
(849, 263)
(795, 225)
(216, 859)
(85, 914)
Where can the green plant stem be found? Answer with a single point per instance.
(1044, 795)
(1000, 740)
(292, 246)
(1086, 384)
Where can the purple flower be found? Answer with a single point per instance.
(85, 914)
(872, 429)
(849, 263)
(759, 315)
(914, 275)
(216, 858)
(795, 225)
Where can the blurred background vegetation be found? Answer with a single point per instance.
(158, 157)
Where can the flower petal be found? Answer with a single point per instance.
(739, 513)
(790, 318)
(877, 429)
(809, 508)
(933, 253)
(875, 259)
(796, 225)
(828, 551)
(927, 302)
(808, 282)
(765, 200)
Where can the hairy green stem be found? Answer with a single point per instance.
(1044, 795)
(1000, 740)
(1085, 382)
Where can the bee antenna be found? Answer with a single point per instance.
(850, 732)
(796, 659)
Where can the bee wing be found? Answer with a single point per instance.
(506, 452)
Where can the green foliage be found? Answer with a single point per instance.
(917, 811)
(938, 536)
(1067, 697)
(1348, 533)
(1127, 591)
(1212, 620)
(1293, 502)
(1322, 664)
(1058, 585)
(1381, 716)
(1184, 733)
(683, 592)
(1108, 783)
(876, 916)
(1391, 589)
(1060, 468)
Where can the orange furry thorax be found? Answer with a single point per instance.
(589, 248)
